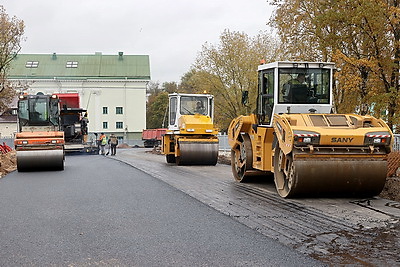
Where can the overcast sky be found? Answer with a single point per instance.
(170, 32)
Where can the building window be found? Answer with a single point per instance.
(72, 64)
(119, 125)
(105, 125)
(118, 110)
(105, 110)
(32, 64)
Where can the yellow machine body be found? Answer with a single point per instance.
(191, 138)
(311, 153)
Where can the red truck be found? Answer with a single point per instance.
(152, 137)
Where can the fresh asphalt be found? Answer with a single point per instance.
(103, 212)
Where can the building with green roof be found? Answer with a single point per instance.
(111, 87)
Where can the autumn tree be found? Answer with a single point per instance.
(170, 87)
(228, 69)
(187, 85)
(11, 35)
(361, 36)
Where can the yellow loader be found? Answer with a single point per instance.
(295, 136)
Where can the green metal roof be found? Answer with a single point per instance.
(96, 66)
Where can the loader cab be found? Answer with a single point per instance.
(38, 110)
(293, 87)
(188, 104)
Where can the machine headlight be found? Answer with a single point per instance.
(377, 138)
(54, 141)
(24, 142)
(190, 130)
(306, 138)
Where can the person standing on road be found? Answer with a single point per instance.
(103, 143)
(84, 127)
(113, 142)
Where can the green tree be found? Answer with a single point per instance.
(228, 69)
(156, 113)
(11, 35)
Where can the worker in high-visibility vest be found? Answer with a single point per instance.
(103, 142)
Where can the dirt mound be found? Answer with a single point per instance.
(123, 146)
(8, 163)
(392, 189)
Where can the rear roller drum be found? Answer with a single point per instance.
(285, 175)
(242, 160)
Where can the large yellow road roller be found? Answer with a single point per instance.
(191, 138)
(39, 142)
(295, 136)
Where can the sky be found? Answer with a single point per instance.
(170, 32)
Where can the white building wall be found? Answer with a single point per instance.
(96, 94)
(8, 129)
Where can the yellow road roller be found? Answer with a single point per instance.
(39, 142)
(295, 137)
(191, 138)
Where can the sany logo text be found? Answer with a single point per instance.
(342, 139)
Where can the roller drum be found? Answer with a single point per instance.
(31, 160)
(198, 153)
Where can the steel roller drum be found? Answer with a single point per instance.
(339, 176)
(198, 153)
(32, 160)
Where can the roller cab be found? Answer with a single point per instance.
(39, 143)
(191, 138)
(295, 137)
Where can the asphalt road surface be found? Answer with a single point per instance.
(103, 212)
(336, 231)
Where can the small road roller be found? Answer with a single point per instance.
(39, 142)
(191, 138)
(295, 137)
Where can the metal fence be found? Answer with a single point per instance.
(396, 145)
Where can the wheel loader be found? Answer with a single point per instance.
(39, 142)
(295, 137)
(191, 138)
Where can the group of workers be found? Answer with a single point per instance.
(102, 141)
(112, 142)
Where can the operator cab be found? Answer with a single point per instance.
(38, 110)
(188, 104)
(293, 87)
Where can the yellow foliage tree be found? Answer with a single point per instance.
(228, 69)
(11, 35)
(361, 36)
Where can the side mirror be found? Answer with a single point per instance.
(245, 97)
